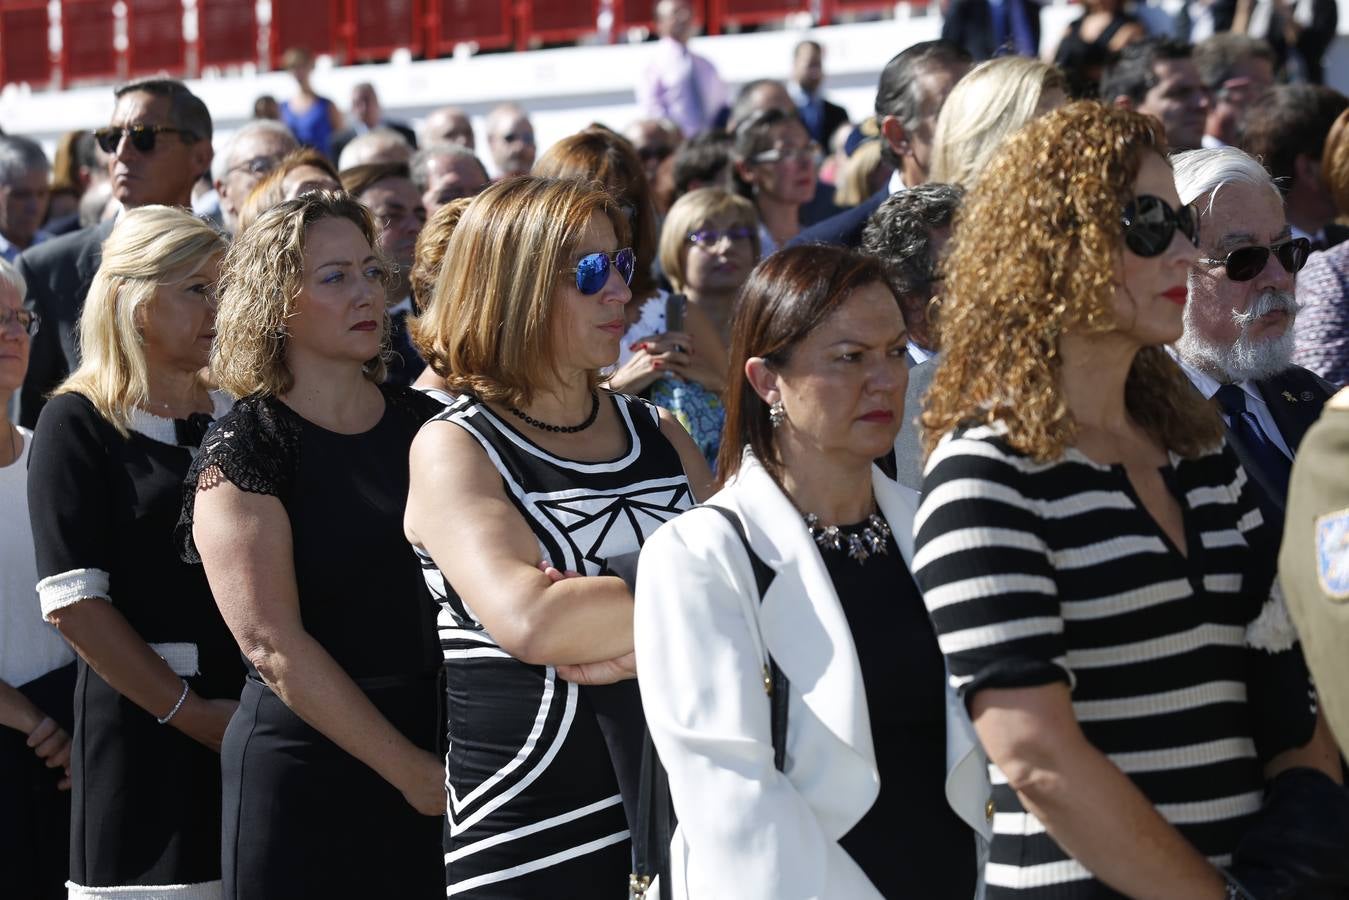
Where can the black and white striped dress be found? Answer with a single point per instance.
(534, 803)
(1183, 670)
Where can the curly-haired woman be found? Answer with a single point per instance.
(1090, 553)
(331, 784)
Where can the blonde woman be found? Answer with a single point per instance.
(533, 472)
(864, 173)
(158, 675)
(332, 785)
(986, 106)
(708, 245)
(1090, 551)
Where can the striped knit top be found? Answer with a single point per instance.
(1041, 572)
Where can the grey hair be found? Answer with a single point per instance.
(10, 275)
(19, 156)
(1200, 174)
(421, 161)
(371, 146)
(899, 233)
(222, 161)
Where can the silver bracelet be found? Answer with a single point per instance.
(177, 706)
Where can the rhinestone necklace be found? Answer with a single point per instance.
(860, 546)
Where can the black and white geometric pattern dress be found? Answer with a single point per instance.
(534, 803)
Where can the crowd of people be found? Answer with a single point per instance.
(644, 518)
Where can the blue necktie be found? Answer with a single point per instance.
(1273, 465)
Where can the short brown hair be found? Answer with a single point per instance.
(1033, 254)
(432, 243)
(599, 154)
(359, 179)
(788, 296)
(262, 276)
(489, 326)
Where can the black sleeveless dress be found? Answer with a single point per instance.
(302, 817)
(145, 800)
(535, 809)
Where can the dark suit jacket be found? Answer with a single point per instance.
(969, 24)
(1336, 234)
(344, 137)
(1295, 397)
(58, 272)
(909, 443)
(844, 229)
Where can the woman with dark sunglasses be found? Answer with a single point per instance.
(524, 492)
(1091, 553)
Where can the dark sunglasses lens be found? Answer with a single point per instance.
(1150, 226)
(107, 139)
(1293, 255)
(625, 262)
(591, 273)
(1189, 223)
(143, 139)
(1246, 263)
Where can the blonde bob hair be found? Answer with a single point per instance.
(261, 279)
(994, 100)
(695, 209)
(489, 328)
(1033, 255)
(149, 247)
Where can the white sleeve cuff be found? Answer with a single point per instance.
(68, 588)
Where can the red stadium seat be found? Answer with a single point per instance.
(556, 21)
(154, 30)
(377, 29)
(227, 32)
(24, 54)
(311, 24)
(637, 14)
(752, 12)
(453, 22)
(87, 49)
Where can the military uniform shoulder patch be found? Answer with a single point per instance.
(1332, 554)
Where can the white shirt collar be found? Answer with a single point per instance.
(896, 183)
(1209, 142)
(1318, 237)
(918, 354)
(402, 306)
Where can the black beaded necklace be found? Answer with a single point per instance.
(563, 429)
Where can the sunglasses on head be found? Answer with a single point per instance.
(592, 271)
(1150, 223)
(142, 137)
(1245, 263)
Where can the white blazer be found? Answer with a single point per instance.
(702, 637)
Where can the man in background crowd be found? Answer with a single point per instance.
(820, 117)
(247, 157)
(1158, 78)
(1286, 129)
(24, 177)
(448, 125)
(447, 172)
(678, 84)
(510, 140)
(913, 86)
(1236, 70)
(366, 116)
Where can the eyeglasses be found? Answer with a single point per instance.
(1150, 223)
(142, 137)
(258, 165)
(27, 319)
(710, 237)
(1245, 263)
(808, 153)
(592, 271)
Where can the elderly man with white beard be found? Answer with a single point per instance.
(1238, 338)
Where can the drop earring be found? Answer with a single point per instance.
(777, 414)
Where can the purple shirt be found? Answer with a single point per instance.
(665, 89)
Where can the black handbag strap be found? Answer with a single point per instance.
(655, 811)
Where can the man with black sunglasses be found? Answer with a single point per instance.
(1238, 337)
(158, 144)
